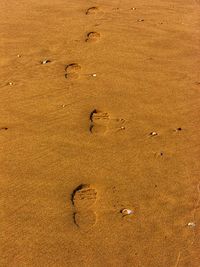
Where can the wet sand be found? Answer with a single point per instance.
(99, 112)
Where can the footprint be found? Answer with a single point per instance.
(92, 37)
(72, 71)
(83, 198)
(85, 219)
(92, 10)
(101, 122)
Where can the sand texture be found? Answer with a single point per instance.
(99, 133)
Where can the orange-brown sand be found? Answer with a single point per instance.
(99, 112)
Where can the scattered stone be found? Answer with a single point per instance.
(140, 20)
(10, 83)
(45, 61)
(94, 75)
(153, 134)
(126, 212)
(133, 8)
(191, 224)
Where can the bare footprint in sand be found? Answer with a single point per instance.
(92, 10)
(92, 37)
(101, 123)
(72, 71)
(83, 198)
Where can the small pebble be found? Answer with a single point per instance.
(153, 133)
(10, 83)
(45, 61)
(133, 8)
(140, 20)
(18, 55)
(126, 212)
(94, 75)
(191, 224)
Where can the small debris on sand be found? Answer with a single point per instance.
(153, 134)
(126, 212)
(191, 224)
(45, 61)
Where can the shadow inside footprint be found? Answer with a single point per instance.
(99, 116)
(92, 10)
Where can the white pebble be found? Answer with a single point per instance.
(191, 224)
(153, 133)
(94, 75)
(10, 83)
(125, 212)
(45, 61)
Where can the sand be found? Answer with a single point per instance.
(99, 112)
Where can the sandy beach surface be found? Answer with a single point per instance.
(99, 133)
